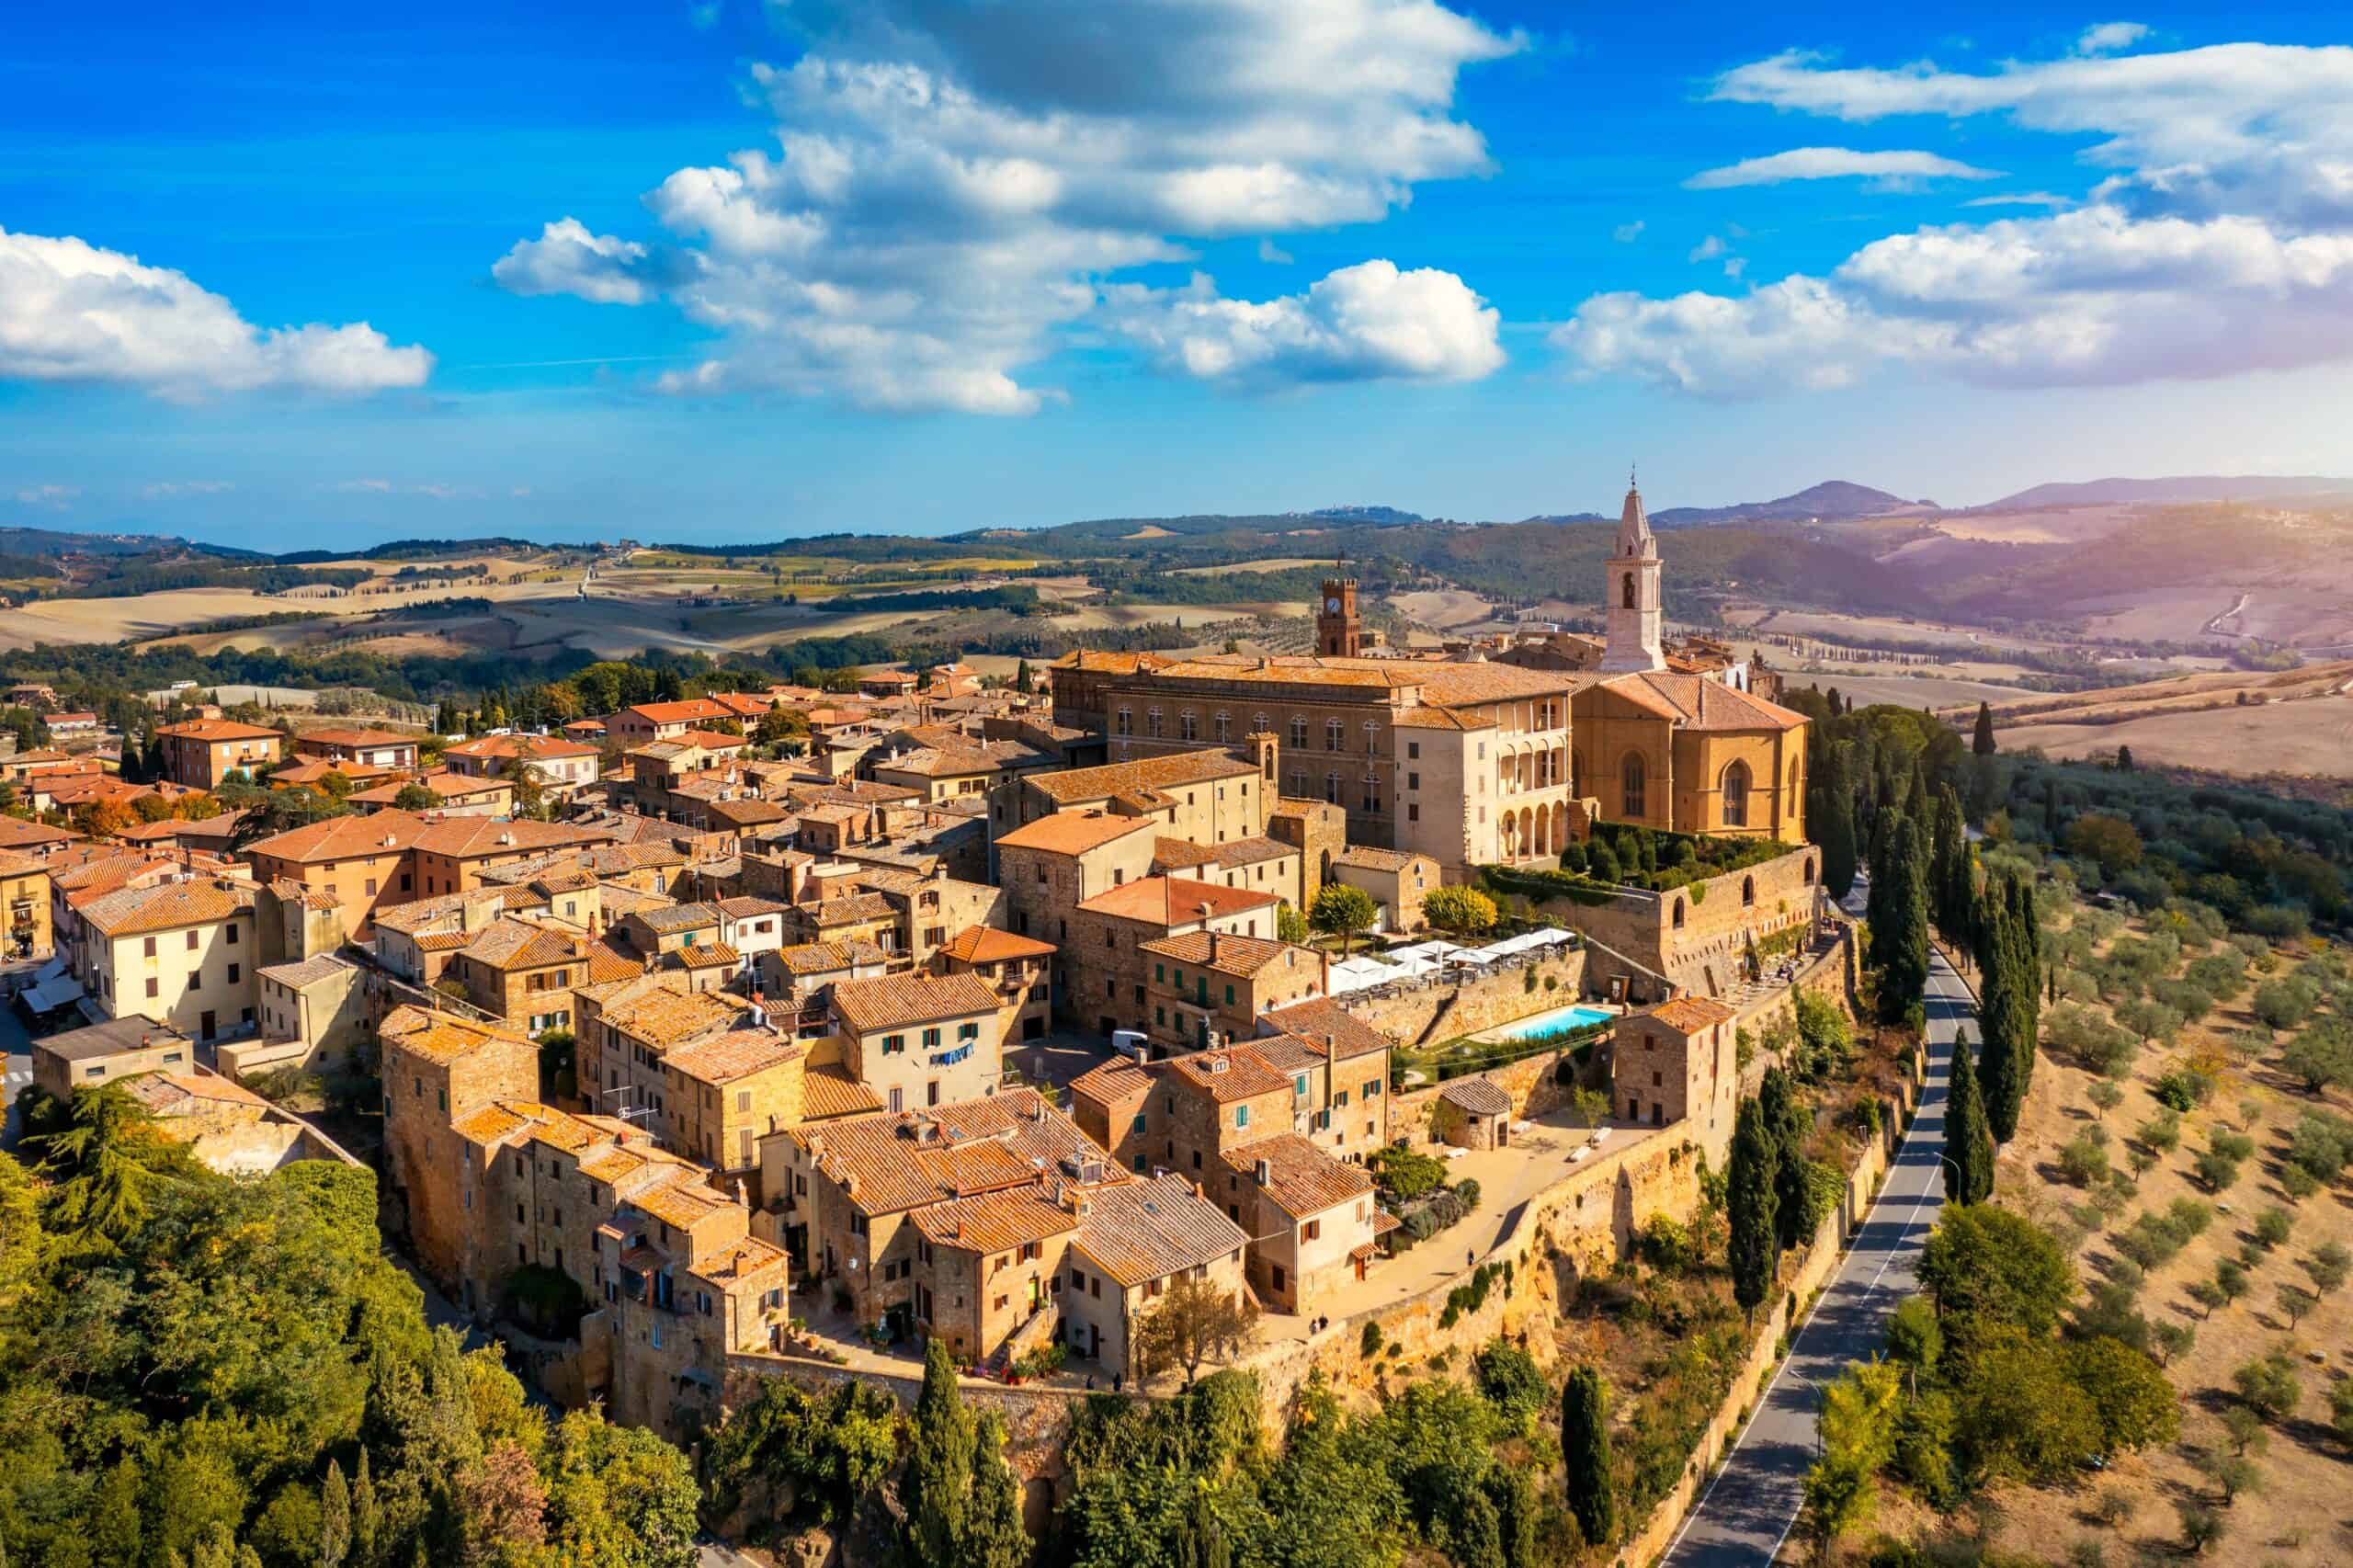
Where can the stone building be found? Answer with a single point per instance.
(1135, 1240)
(921, 1039)
(203, 752)
(178, 953)
(1677, 1063)
(1205, 983)
(1019, 968)
(1395, 879)
(1106, 975)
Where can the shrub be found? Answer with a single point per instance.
(2084, 1160)
(1369, 1342)
(1665, 1244)
(2271, 1386)
(2274, 1226)
(1511, 1382)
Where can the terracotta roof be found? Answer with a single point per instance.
(342, 839)
(1314, 1020)
(446, 1038)
(440, 941)
(749, 1262)
(607, 964)
(1174, 901)
(463, 837)
(1174, 771)
(308, 971)
(676, 917)
(693, 708)
(448, 786)
(1141, 1231)
(506, 943)
(711, 740)
(1690, 1015)
(537, 748)
(1113, 1082)
(1367, 858)
(892, 1163)
(1251, 850)
(1477, 1096)
(1242, 956)
(666, 1018)
(709, 955)
(829, 1092)
(15, 865)
(995, 1222)
(165, 1092)
(987, 944)
(1302, 1177)
(1697, 703)
(218, 730)
(819, 958)
(747, 908)
(738, 1053)
(894, 1001)
(848, 909)
(1232, 1072)
(682, 1203)
(168, 908)
(356, 738)
(1074, 833)
(1169, 851)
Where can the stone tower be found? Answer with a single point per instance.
(1632, 586)
(1338, 633)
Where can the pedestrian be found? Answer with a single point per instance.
(1467, 1255)
(1117, 1379)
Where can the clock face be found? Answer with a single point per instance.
(1332, 606)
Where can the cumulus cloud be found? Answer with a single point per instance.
(949, 188)
(1627, 233)
(74, 311)
(2022, 199)
(171, 489)
(1708, 248)
(1884, 170)
(1271, 252)
(2218, 238)
(1369, 322)
(2107, 38)
(56, 498)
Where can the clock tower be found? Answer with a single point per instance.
(1633, 612)
(1339, 634)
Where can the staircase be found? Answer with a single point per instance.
(1038, 1330)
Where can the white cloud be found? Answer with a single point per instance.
(170, 489)
(373, 486)
(2022, 199)
(56, 498)
(2107, 38)
(1369, 322)
(1708, 248)
(72, 312)
(951, 187)
(1884, 170)
(1627, 233)
(1271, 252)
(2219, 239)
(431, 492)
(1734, 265)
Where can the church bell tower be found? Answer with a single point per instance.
(1338, 633)
(1632, 586)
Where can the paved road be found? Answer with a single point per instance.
(1751, 1507)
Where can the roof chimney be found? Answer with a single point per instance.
(1264, 1171)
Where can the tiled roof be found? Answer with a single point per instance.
(1234, 955)
(538, 748)
(130, 911)
(995, 1222)
(441, 941)
(1251, 850)
(709, 955)
(1302, 1177)
(1690, 1015)
(218, 730)
(356, 738)
(711, 740)
(892, 1001)
(829, 1092)
(506, 943)
(1697, 703)
(895, 1162)
(684, 1204)
(676, 917)
(1142, 1231)
(849, 909)
(738, 1053)
(15, 865)
(448, 786)
(1074, 833)
(444, 1037)
(1174, 771)
(1318, 1016)
(607, 964)
(747, 908)
(1365, 857)
(1174, 901)
(1233, 1073)
(16, 833)
(1112, 1083)
(342, 839)
(665, 1019)
(461, 837)
(987, 944)
(820, 958)
(749, 1262)
(693, 708)
(1477, 1096)
(1169, 851)
(307, 971)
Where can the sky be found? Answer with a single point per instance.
(737, 270)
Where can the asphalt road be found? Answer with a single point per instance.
(1751, 1507)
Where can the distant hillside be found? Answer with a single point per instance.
(1834, 500)
(1367, 515)
(2188, 487)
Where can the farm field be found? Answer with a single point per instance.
(1901, 691)
(2312, 737)
(2296, 1516)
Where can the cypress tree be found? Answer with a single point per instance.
(1749, 1200)
(1982, 741)
(939, 1466)
(1900, 940)
(1831, 814)
(335, 1518)
(1585, 1454)
(1996, 1074)
(994, 1535)
(1968, 1144)
(1949, 869)
(2027, 972)
(1787, 1122)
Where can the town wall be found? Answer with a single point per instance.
(1703, 953)
(1532, 1082)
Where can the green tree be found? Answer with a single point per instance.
(1969, 1143)
(1986, 1267)
(1981, 740)
(1195, 1321)
(1754, 1250)
(415, 798)
(2135, 1405)
(1899, 937)
(956, 1489)
(1788, 1123)
(1585, 1454)
(1458, 911)
(1290, 925)
(105, 1162)
(1342, 911)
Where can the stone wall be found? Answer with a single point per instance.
(1530, 1082)
(1406, 1012)
(1696, 934)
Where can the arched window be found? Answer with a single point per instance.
(1331, 787)
(1298, 734)
(1748, 892)
(1631, 778)
(1794, 795)
(1332, 733)
(1258, 724)
(1127, 721)
(1187, 727)
(1735, 795)
(1627, 595)
(1224, 727)
(1678, 914)
(1809, 869)
(1152, 723)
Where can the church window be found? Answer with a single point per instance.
(1224, 727)
(1633, 777)
(1735, 795)
(1152, 723)
(1331, 787)
(1188, 726)
(1332, 735)
(1298, 734)
(1627, 594)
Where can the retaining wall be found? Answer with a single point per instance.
(1500, 997)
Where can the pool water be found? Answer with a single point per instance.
(1559, 1020)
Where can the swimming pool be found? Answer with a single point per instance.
(1559, 1020)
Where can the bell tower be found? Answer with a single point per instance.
(1632, 587)
(1338, 633)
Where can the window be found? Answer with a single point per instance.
(232, 974)
(1735, 795)
(1241, 1116)
(898, 1098)
(1224, 727)
(1371, 739)
(1299, 732)
(233, 933)
(1127, 721)
(1152, 723)
(1311, 1230)
(1332, 789)
(1187, 728)
(1632, 777)
(968, 1031)
(1371, 793)
(1626, 593)
(196, 979)
(1413, 814)
(1331, 734)
(150, 985)
(151, 946)
(369, 887)
(892, 1044)
(1413, 781)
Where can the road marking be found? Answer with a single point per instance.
(1724, 1460)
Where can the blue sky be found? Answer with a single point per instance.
(484, 270)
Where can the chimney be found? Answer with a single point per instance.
(1213, 946)
(1264, 1171)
